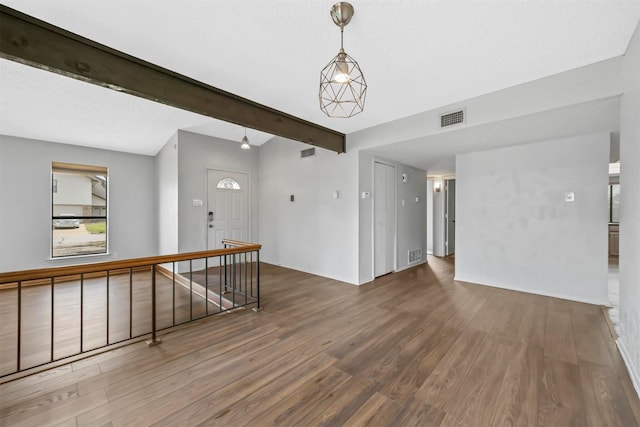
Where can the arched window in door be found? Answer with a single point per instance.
(228, 184)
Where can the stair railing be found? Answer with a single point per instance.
(59, 314)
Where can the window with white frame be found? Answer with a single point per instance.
(78, 210)
(228, 184)
(614, 203)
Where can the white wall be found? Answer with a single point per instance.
(316, 233)
(167, 191)
(514, 229)
(25, 208)
(591, 82)
(630, 211)
(196, 154)
(411, 219)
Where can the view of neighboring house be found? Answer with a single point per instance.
(79, 195)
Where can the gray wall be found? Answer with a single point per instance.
(630, 211)
(514, 228)
(196, 154)
(314, 233)
(411, 219)
(25, 208)
(167, 191)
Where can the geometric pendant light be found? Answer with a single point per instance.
(342, 85)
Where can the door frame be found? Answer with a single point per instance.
(249, 202)
(447, 252)
(375, 160)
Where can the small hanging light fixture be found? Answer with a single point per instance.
(244, 144)
(342, 84)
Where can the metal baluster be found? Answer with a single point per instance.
(258, 278)
(251, 261)
(19, 323)
(173, 300)
(220, 272)
(130, 302)
(52, 316)
(240, 269)
(81, 312)
(154, 339)
(206, 286)
(225, 271)
(233, 281)
(108, 306)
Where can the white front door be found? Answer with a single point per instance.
(227, 207)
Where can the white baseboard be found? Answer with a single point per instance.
(415, 264)
(364, 281)
(536, 292)
(633, 373)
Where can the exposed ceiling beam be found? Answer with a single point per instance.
(39, 44)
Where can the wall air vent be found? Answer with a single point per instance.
(308, 152)
(453, 118)
(415, 255)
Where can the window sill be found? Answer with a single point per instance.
(78, 256)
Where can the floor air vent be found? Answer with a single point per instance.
(450, 119)
(415, 255)
(308, 152)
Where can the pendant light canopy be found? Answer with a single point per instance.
(342, 84)
(244, 144)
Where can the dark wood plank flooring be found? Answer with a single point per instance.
(413, 348)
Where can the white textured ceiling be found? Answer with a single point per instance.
(416, 56)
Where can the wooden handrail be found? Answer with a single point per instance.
(69, 270)
(236, 243)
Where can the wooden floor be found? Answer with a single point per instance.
(128, 313)
(36, 317)
(413, 348)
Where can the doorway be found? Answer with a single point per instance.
(450, 216)
(227, 207)
(614, 246)
(384, 218)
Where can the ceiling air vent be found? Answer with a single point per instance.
(308, 152)
(451, 119)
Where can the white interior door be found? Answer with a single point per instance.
(227, 207)
(384, 217)
(450, 216)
